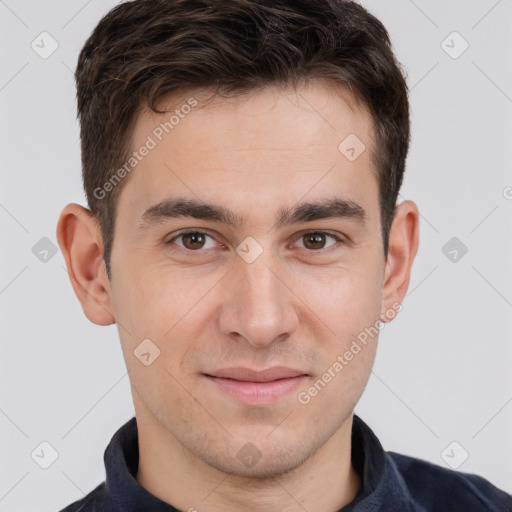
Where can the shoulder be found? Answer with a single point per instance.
(435, 486)
(92, 502)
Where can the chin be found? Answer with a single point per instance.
(258, 459)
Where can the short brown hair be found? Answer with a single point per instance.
(142, 50)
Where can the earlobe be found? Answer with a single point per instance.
(403, 247)
(80, 241)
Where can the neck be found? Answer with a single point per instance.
(326, 481)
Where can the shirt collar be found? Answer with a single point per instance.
(382, 486)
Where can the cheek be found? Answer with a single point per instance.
(153, 310)
(167, 306)
(350, 307)
(347, 301)
(150, 296)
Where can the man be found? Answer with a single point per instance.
(242, 162)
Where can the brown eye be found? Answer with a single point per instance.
(192, 240)
(316, 240)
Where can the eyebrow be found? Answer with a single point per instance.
(304, 212)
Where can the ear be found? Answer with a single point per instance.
(80, 241)
(403, 246)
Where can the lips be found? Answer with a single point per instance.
(257, 387)
(248, 375)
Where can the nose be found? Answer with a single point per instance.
(258, 304)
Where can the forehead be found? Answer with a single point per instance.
(269, 145)
(301, 117)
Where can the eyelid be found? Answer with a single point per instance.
(187, 231)
(340, 239)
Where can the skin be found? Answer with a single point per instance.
(294, 305)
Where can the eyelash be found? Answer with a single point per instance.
(195, 231)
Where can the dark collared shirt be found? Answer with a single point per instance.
(390, 481)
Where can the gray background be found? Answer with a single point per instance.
(442, 372)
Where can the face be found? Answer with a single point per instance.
(263, 290)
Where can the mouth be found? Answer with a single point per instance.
(257, 387)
